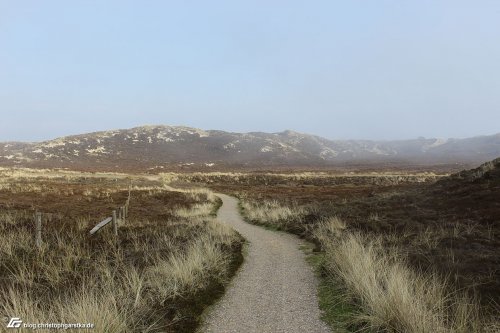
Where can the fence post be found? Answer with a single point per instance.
(123, 213)
(115, 223)
(126, 210)
(38, 230)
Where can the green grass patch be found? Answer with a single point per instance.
(337, 311)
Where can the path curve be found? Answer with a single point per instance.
(273, 291)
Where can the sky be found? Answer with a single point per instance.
(373, 69)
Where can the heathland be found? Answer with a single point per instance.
(395, 251)
(170, 260)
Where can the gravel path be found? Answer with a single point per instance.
(274, 290)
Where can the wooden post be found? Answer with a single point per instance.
(122, 209)
(126, 210)
(115, 223)
(38, 230)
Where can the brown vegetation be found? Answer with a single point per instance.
(170, 261)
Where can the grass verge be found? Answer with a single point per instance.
(336, 311)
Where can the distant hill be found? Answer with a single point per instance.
(171, 147)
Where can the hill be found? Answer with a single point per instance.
(173, 147)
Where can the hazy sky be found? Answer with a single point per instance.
(341, 69)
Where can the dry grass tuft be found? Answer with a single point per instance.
(197, 210)
(391, 296)
(272, 213)
(328, 229)
(185, 273)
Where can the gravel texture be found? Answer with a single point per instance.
(274, 290)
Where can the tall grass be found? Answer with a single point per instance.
(272, 213)
(393, 297)
(185, 273)
(202, 209)
(149, 280)
(387, 294)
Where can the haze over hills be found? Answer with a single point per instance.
(169, 147)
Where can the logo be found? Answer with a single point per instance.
(14, 323)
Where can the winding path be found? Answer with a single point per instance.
(274, 290)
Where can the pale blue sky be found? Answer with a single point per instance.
(341, 69)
